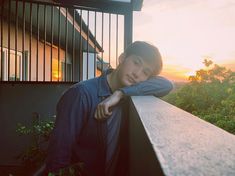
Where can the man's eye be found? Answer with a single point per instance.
(146, 73)
(136, 62)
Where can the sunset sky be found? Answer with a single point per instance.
(187, 31)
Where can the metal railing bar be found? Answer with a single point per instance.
(102, 41)
(66, 44)
(95, 47)
(2, 62)
(87, 62)
(30, 42)
(80, 50)
(73, 46)
(37, 53)
(52, 34)
(16, 37)
(116, 41)
(24, 70)
(9, 40)
(44, 47)
(59, 47)
(109, 39)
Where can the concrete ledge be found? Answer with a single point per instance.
(165, 140)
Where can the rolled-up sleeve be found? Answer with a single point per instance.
(157, 86)
(70, 116)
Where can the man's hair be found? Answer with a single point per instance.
(146, 51)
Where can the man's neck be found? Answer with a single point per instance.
(113, 81)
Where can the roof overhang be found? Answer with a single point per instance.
(109, 6)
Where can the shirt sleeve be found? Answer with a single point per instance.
(70, 115)
(157, 86)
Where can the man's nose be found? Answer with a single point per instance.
(136, 73)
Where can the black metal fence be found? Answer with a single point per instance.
(51, 42)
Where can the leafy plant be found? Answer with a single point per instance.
(72, 170)
(35, 154)
(210, 95)
(39, 131)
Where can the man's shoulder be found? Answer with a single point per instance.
(87, 85)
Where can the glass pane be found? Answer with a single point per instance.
(57, 74)
(13, 72)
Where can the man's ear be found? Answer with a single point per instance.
(121, 58)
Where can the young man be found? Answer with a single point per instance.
(89, 114)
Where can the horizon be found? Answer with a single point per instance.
(187, 32)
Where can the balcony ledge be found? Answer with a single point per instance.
(165, 140)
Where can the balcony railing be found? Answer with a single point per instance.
(165, 140)
(45, 41)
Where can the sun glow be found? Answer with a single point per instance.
(186, 32)
(191, 73)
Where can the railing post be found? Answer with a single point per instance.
(128, 28)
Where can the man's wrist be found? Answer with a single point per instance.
(119, 94)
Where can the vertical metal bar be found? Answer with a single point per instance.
(37, 53)
(102, 42)
(58, 79)
(95, 48)
(52, 33)
(80, 50)
(24, 69)
(116, 40)
(9, 40)
(44, 47)
(73, 46)
(66, 44)
(2, 62)
(109, 39)
(128, 28)
(16, 36)
(87, 61)
(30, 42)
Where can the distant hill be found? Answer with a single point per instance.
(178, 85)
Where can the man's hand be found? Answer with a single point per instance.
(103, 110)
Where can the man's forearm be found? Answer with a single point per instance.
(157, 86)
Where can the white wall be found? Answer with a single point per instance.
(91, 62)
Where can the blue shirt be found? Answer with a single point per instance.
(79, 137)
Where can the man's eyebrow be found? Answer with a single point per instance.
(142, 62)
(139, 58)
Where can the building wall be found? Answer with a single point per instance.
(88, 65)
(34, 52)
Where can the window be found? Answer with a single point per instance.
(2, 63)
(68, 74)
(60, 74)
(56, 72)
(14, 67)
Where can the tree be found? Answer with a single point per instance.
(210, 95)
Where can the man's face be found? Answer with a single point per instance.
(135, 69)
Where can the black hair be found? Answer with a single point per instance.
(146, 51)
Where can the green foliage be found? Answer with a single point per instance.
(72, 170)
(35, 154)
(209, 95)
(39, 131)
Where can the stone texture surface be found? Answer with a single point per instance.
(183, 143)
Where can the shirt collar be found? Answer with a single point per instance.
(103, 86)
